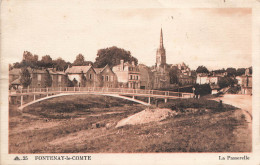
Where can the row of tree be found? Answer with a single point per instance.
(230, 71)
(110, 56)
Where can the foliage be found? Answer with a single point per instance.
(226, 81)
(202, 89)
(60, 64)
(202, 69)
(75, 82)
(82, 79)
(48, 79)
(231, 71)
(240, 71)
(112, 57)
(194, 103)
(69, 82)
(80, 61)
(220, 70)
(25, 77)
(46, 62)
(250, 70)
(173, 73)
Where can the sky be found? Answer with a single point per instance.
(214, 37)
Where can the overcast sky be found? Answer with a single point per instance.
(216, 38)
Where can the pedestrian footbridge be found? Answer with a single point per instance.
(26, 97)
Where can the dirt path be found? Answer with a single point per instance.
(244, 102)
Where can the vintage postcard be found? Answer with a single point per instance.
(130, 82)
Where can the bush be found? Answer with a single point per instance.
(181, 104)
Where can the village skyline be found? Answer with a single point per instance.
(65, 33)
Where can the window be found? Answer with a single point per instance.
(39, 77)
(136, 77)
(107, 78)
(90, 76)
(59, 78)
(103, 78)
(131, 77)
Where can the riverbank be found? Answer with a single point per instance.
(86, 124)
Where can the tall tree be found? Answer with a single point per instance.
(29, 60)
(60, 64)
(79, 61)
(112, 57)
(25, 77)
(46, 61)
(231, 71)
(202, 69)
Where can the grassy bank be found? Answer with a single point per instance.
(73, 124)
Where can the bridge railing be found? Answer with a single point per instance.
(105, 90)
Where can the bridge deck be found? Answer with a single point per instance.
(122, 91)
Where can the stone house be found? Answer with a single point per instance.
(59, 78)
(38, 78)
(146, 77)
(128, 75)
(75, 73)
(107, 78)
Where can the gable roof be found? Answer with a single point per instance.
(99, 70)
(79, 69)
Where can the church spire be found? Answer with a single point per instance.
(160, 53)
(161, 39)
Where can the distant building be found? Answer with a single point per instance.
(107, 78)
(75, 73)
(59, 78)
(245, 82)
(146, 77)
(185, 75)
(128, 75)
(38, 77)
(205, 79)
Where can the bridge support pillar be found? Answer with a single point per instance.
(33, 97)
(165, 100)
(133, 97)
(21, 100)
(149, 100)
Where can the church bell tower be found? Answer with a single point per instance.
(160, 53)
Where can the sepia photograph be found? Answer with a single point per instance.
(89, 79)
